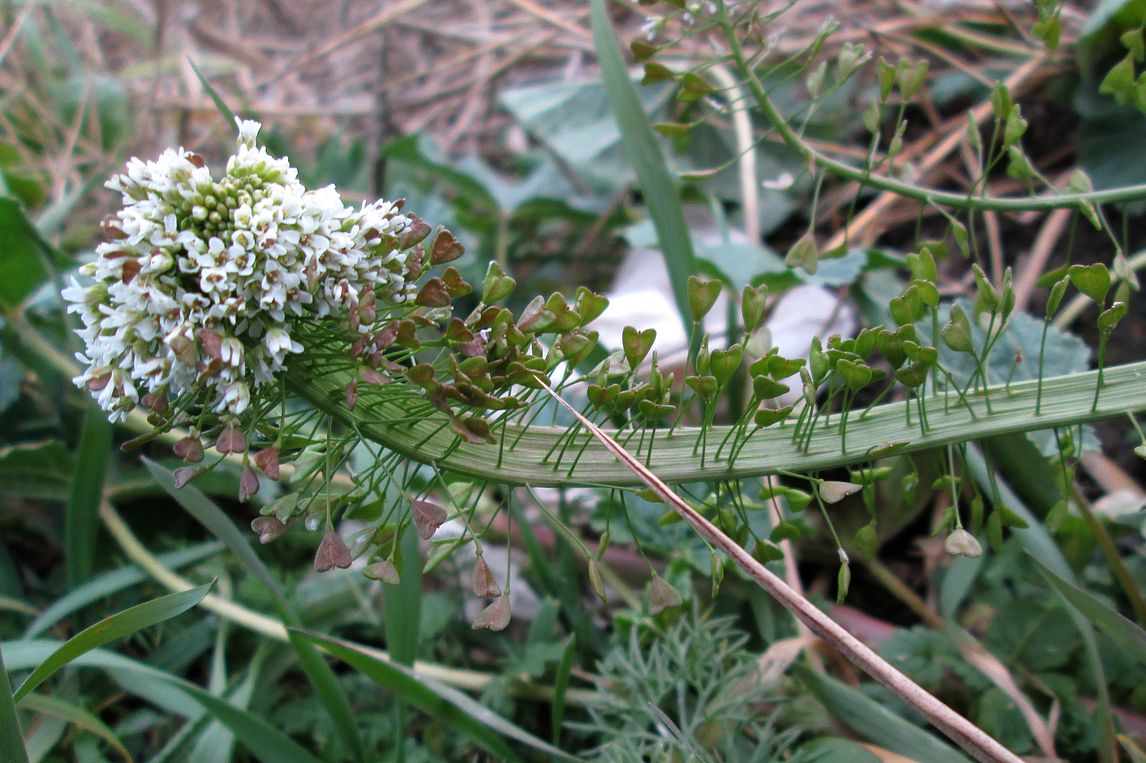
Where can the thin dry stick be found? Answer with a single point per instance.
(974, 653)
(552, 18)
(964, 733)
(366, 27)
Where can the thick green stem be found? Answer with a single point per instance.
(1065, 401)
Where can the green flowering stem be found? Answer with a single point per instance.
(907, 190)
(1066, 401)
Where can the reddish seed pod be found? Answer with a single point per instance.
(495, 617)
(267, 528)
(352, 394)
(248, 484)
(189, 449)
(332, 552)
(428, 517)
(268, 460)
(182, 476)
(384, 571)
(231, 440)
(484, 584)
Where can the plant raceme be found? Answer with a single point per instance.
(196, 289)
(215, 298)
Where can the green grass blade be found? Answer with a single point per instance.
(11, 737)
(321, 677)
(81, 528)
(258, 736)
(441, 702)
(875, 722)
(1120, 630)
(658, 186)
(561, 686)
(402, 604)
(111, 628)
(199, 506)
(217, 99)
(76, 716)
(1037, 542)
(402, 619)
(216, 742)
(113, 582)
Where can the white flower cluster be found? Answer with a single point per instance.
(196, 289)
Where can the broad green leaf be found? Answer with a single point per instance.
(873, 721)
(75, 715)
(313, 664)
(657, 185)
(11, 738)
(111, 628)
(1123, 632)
(574, 121)
(23, 266)
(135, 678)
(81, 526)
(443, 703)
(112, 582)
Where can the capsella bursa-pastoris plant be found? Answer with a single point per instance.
(274, 324)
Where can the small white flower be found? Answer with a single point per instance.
(248, 131)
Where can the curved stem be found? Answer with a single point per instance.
(908, 190)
